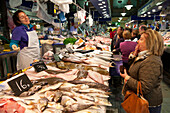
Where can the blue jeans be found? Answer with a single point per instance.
(155, 109)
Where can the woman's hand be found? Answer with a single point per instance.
(15, 48)
(125, 75)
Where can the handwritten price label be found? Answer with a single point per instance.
(20, 84)
(39, 66)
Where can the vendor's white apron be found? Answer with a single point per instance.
(26, 56)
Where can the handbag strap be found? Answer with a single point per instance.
(139, 89)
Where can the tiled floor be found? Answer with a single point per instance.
(116, 99)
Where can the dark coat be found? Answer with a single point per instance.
(149, 71)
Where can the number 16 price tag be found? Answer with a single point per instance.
(20, 84)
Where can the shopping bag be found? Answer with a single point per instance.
(135, 103)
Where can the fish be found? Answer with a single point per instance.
(93, 90)
(98, 95)
(52, 87)
(50, 81)
(50, 95)
(102, 101)
(66, 101)
(42, 104)
(52, 110)
(55, 105)
(92, 84)
(56, 72)
(58, 95)
(82, 74)
(97, 77)
(77, 107)
(69, 86)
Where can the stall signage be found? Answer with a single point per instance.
(39, 66)
(20, 84)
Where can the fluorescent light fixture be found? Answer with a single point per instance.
(159, 3)
(149, 15)
(162, 15)
(100, 0)
(128, 7)
(109, 23)
(159, 7)
(153, 10)
(104, 6)
(103, 2)
(100, 4)
(101, 7)
(149, 12)
(104, 9)
(144, 15)
(119, 20)
(123, 14)
(104, 12)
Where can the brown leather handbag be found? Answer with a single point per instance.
(135, 103)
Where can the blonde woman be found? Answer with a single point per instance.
(147, 68)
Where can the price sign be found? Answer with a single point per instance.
(39, 66)
(20, 84)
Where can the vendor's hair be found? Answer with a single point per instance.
(126, 34)
(16, 18)
(154, 42)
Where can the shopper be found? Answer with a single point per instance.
(118, 40)
(25, 36)
(142, 28)
(157, 27)
(147, 68)
(127, 47)
(135, 35)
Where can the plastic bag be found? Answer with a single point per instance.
(64, 8)
(15, 3)
(62, 1)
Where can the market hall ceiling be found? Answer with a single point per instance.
(116, 7)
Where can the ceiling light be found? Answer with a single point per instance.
(153, 10)
(104, 12)
(159, 3)
(149, 15)
(123, 14)
(104, 6)
(103, 2)
(109, 23)
(144, 15)
(128, 7)
(118, 20)
(101, 7)
(149, 12)
(159, 7)
(100, 4)
(100, 0)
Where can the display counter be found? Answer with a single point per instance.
(7, 63)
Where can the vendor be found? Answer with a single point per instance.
(25, 36)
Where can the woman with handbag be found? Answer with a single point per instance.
(146, 67)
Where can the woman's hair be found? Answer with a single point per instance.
(135, 32)
(16, 18)
(126, 34)
(154, 42)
